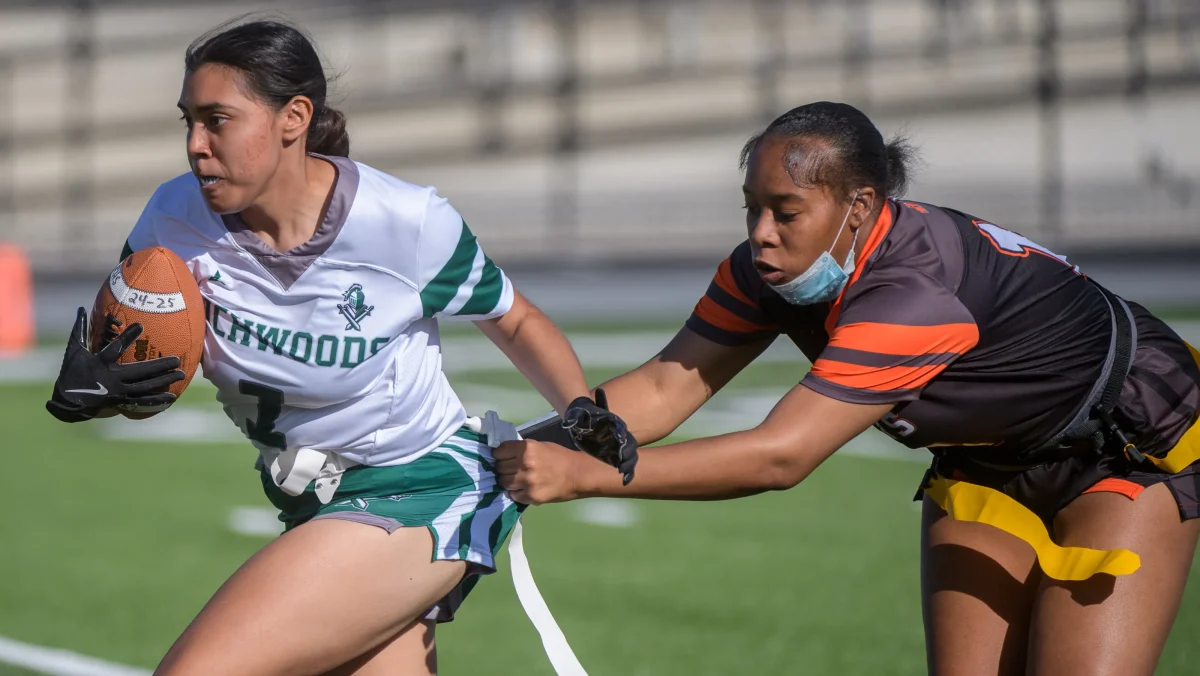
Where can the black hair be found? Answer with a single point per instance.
(836, 145)
(279, 63)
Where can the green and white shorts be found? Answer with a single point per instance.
(450, 490)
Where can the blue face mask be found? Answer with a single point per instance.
(824, 280)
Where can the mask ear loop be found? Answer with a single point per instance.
(845, 220)
(848, 266)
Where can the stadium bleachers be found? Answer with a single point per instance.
(652, 100)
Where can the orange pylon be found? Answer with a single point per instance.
(16, 301)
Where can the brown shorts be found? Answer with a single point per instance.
(1048, 488)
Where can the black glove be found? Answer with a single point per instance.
(601, 433)
(90, 383)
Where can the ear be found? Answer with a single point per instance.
(296, 116)
(864, 206)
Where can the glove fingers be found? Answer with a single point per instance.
(575, 418)
(158, 399)
(607, 433)
(601, 434)
(80, 329)
(115, 349)
(628, 464)
(143, 370)
(149, 385)
(628, 461)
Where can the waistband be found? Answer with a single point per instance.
(965, 501)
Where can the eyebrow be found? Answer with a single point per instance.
(780, 197)
(206, 108)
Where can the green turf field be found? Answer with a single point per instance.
(818, 580)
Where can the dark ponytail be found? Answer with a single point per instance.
(836, 145)
(327, 133)
(279, 63)
(900, 157)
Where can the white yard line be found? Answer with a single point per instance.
(59, 662)
(37, 366)
(609, 512)
(195, 425)
(255, 521)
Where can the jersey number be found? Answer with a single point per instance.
(270, 406)
(1014, 244)
(894, 426)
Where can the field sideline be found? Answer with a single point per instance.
(113, 544)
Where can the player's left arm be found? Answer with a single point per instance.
(539, 350)
(801, 432)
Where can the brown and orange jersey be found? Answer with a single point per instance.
(978, 335)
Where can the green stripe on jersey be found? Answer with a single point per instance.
(486, 293)
(438, 293)
(126, 251)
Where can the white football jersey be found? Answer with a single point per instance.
(334, 345)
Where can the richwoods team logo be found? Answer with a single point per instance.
(364, 504)
(355, 308)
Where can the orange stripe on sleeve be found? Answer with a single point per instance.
(708, 310)
(906, 340)
(724, 279)
(875, 378)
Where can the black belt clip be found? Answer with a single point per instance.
(1128, 448)
(930, 474)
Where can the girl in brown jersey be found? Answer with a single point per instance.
(1062, 418)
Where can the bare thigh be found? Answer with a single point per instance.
(413, 652)
(1108, 625)
(978, 585)
(313, 600)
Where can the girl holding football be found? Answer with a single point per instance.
(323, 281)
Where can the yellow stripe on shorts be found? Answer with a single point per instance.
(965, 501)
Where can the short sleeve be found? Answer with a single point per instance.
(455, 277)
(729, 312)
(891, 338)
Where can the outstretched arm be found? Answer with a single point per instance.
(801, 431)
(656, 397)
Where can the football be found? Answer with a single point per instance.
(152, 287)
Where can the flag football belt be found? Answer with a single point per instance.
(293, 470)
(1092, 429)
(965, 501)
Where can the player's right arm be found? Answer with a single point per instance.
(656, 397)
(727, 331)
(92, 384)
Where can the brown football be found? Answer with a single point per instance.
(153, 287)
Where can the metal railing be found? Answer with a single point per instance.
(475, 70)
